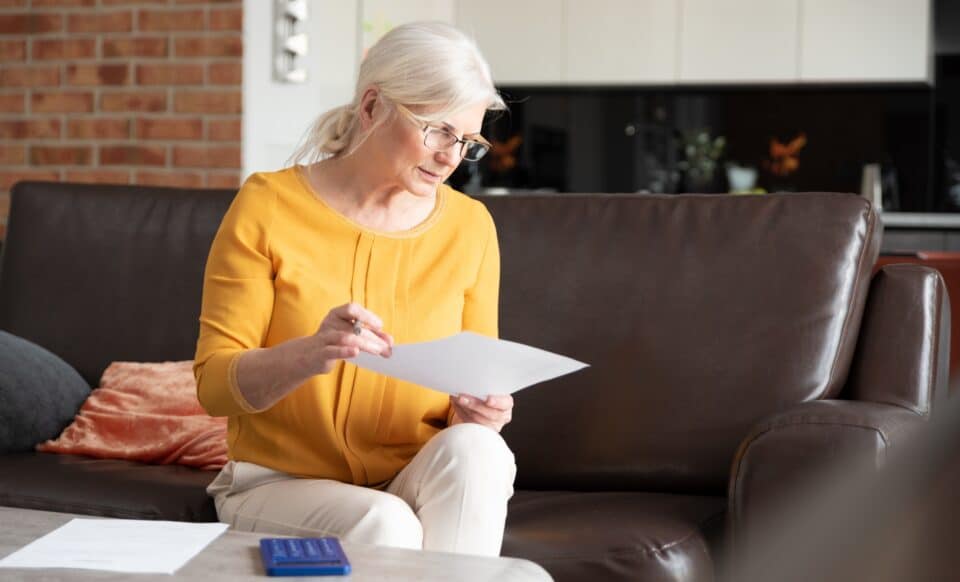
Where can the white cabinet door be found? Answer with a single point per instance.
(738, 41)
(523, 40)
(622, 41)
(865, 40)
(379, 16)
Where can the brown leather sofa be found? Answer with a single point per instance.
(736, 343)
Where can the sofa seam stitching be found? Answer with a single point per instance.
(856, 287)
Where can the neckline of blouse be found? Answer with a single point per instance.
(420, 228)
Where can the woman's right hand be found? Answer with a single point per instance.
(338, 340)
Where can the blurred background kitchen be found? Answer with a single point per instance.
(663, 96)
(766, 96)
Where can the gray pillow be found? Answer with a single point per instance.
(39, 394)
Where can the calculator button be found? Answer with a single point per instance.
(294, 548)
(278, 550)
(311, 548)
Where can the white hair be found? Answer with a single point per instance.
(428, 65)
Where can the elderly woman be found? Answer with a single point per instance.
(362, 247)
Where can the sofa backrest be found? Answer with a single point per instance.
(698, 314)
(100, 273)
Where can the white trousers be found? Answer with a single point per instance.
(452, 497)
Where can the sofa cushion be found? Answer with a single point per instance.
(615, 535)
(146, 412)
(108, 488)
(39, 394)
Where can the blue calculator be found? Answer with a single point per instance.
(303, 557)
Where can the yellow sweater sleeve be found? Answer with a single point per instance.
(481, 300)
(238, 296)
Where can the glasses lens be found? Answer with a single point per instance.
(474, 150)
(438, 139)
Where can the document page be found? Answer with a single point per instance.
(470, 363)
(118, 545)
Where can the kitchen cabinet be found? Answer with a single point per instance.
(665, 42)
(575, 42)
(523, 40)
(865, 40)
(379, 16)
(737, 41)
(612, 41)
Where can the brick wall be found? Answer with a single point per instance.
(120, 91)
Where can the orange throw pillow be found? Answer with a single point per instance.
(147, 413)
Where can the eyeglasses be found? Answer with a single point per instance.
(440, 139)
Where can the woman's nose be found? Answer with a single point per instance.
(449, 156)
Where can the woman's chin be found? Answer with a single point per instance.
(424, 189)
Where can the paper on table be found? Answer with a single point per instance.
(470, 363)
(118, 545)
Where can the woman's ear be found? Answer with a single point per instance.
(370, 106)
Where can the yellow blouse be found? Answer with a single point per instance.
(280, 261)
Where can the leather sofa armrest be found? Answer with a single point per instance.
(790, 449)
(903, 351)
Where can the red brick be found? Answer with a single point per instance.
(98, 128)
(62, 3)
(97, 176)
(13, 50)
(141, 101)
(61, 102)
(167, 74)
(200, 46)
(151, 46)
(8, 179)
(13, 103)
(223, 180)
(97, 75)
(227, 19)
(74, 48)
(13, 155)
(42, 76)
(117, 2)
(30, 23)
(223, 130)
(29, 129)
(169, 128)
(61, 155)
(13, 3)
(223, 102)
(131, 155)
(206, 156)
(225, 73)
(175, 178)
(170, 20)
(101, 22)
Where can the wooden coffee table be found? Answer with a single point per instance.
(236, 556)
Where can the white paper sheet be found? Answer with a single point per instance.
(470, 363)
(118, 545)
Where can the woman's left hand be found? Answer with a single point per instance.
(494, 412)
